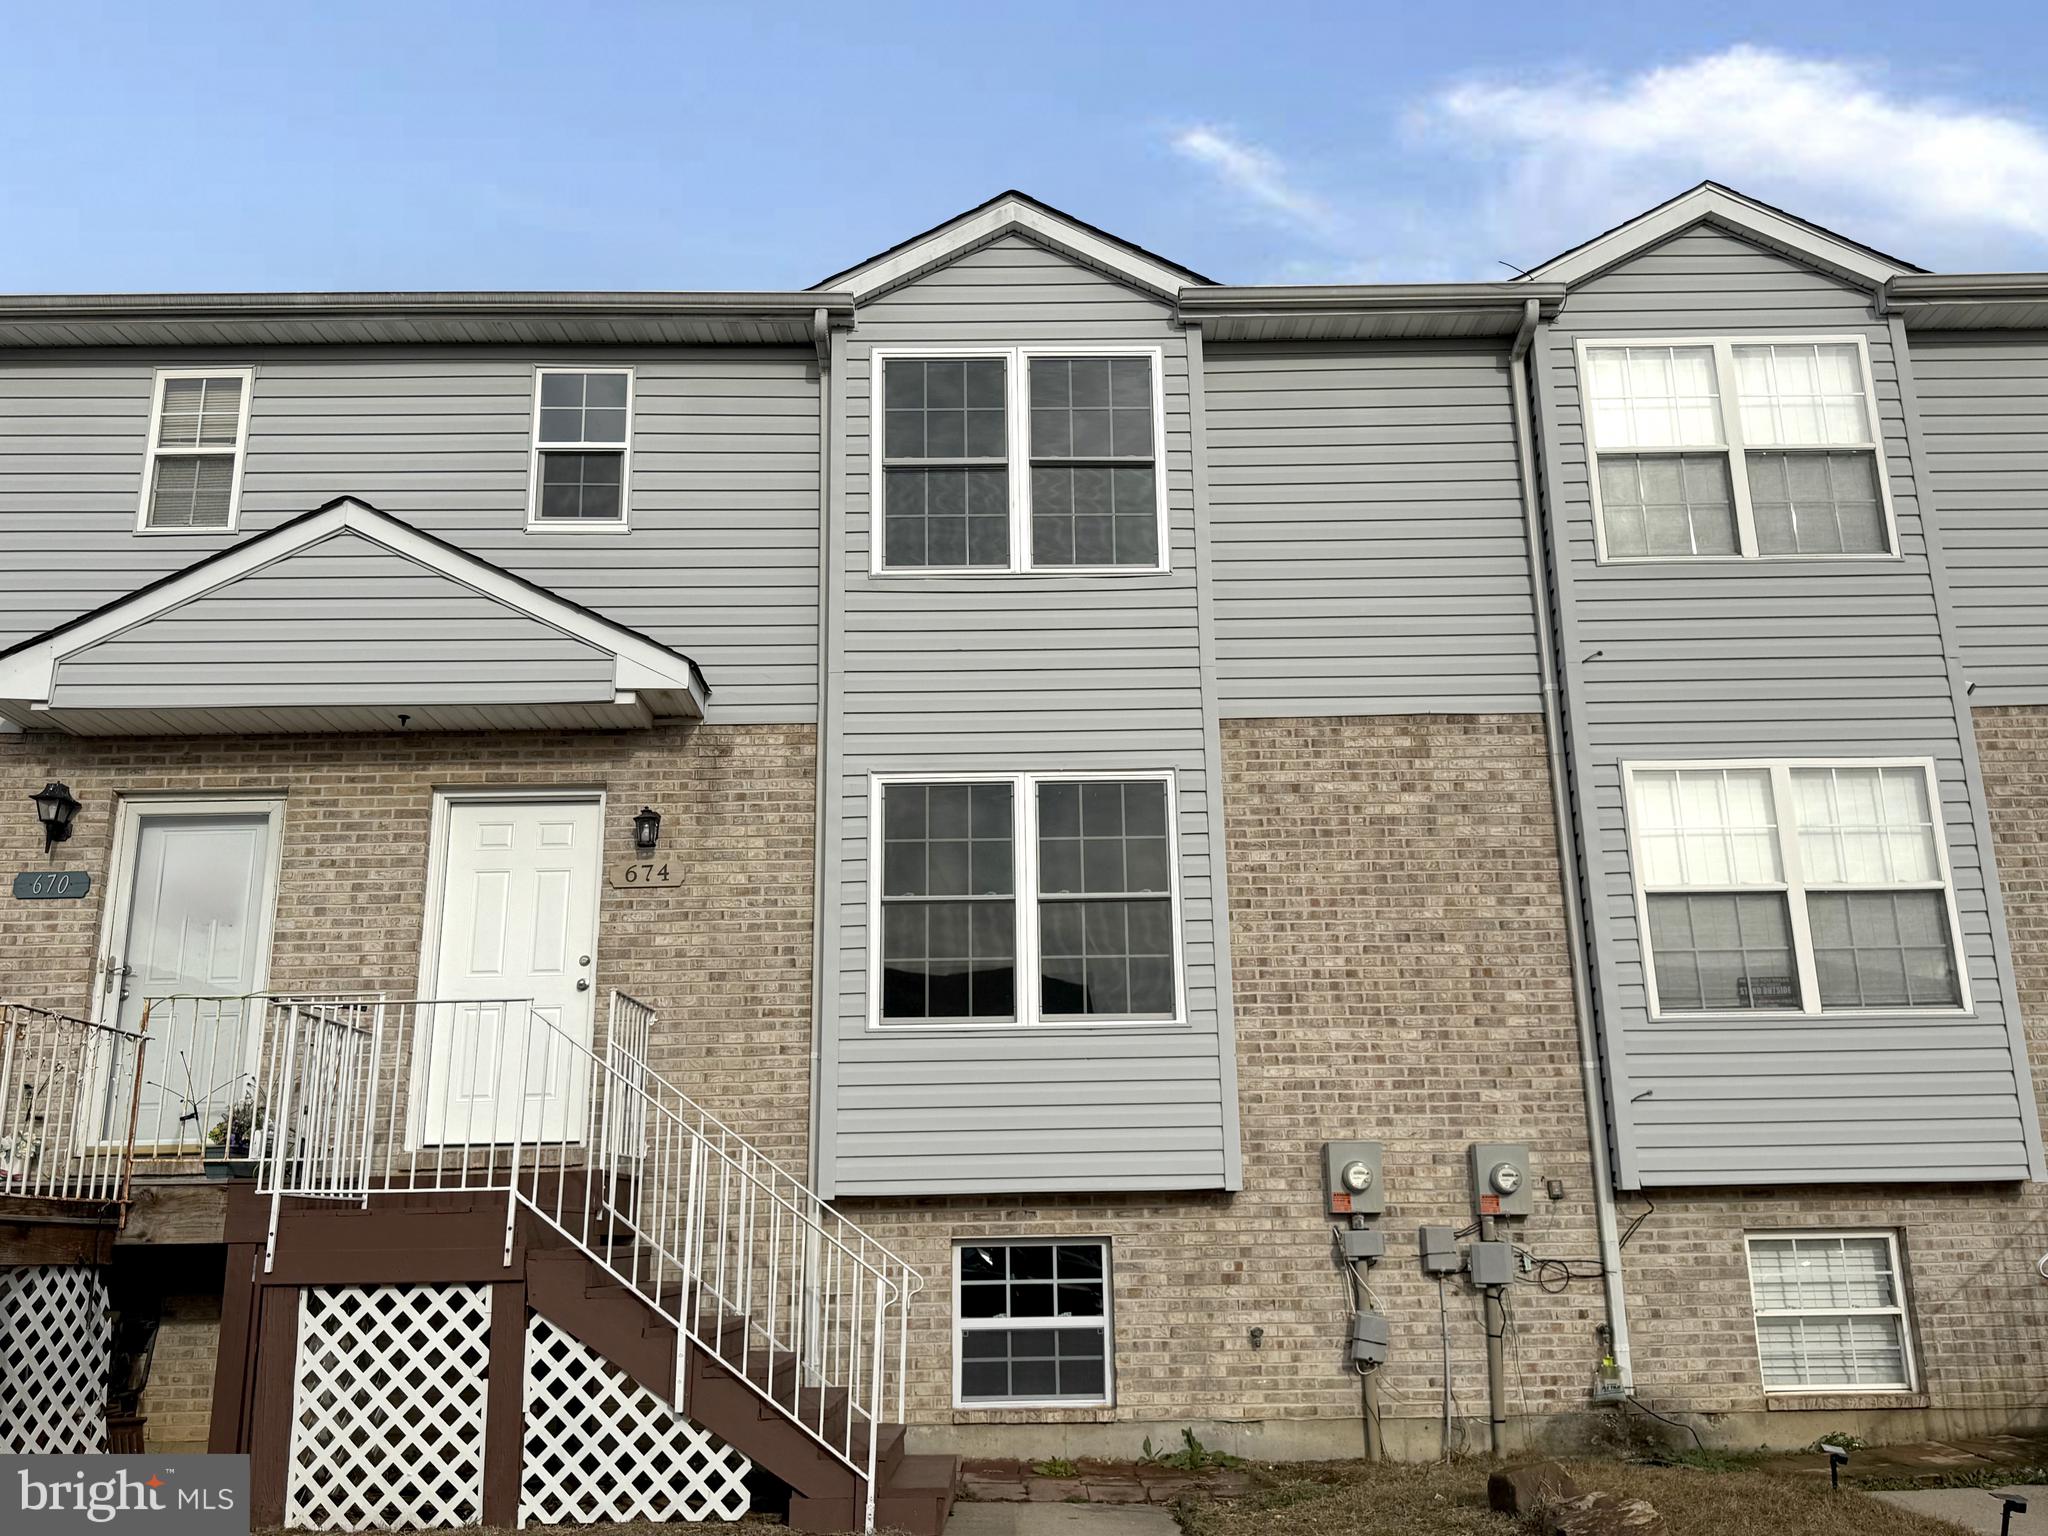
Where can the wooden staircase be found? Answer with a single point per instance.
(914, 1494)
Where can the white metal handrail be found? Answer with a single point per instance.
(366, 1096)
(68, 1097)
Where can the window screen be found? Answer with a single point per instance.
(582, 446)
(949, 907)
(1830, 1312)
(194, 452)
(945, 457)
(1094, 479)
(1105, 908)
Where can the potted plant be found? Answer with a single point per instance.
(231, 1146)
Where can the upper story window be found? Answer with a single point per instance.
(1735, 449)
(582, 448)
(1793, 888)
(1019, 459)
(1088, 914)
(198, 429)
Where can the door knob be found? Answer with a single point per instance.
(582, 983)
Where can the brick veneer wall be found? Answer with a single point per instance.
(178, 1402)
(1399, 952)
(725, 958)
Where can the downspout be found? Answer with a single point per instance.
(1604, 1210)
(821, 338)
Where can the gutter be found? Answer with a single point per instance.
(452, 304)
(1604, 1205)
(821, 339)
(1369, 298)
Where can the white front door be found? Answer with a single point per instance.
(188, 941)
(511, 972)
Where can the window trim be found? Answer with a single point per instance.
(961, 1329)
(1024, 832)
(1903, 1311)
(1795, 887)
(1733, 447)
(535, 523)
(151, 452)
(1017, 402)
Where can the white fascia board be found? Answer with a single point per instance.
(936, 248)
(640, 664)
(1738, 214)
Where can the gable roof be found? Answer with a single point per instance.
(1713, 203)
(91, 674)
(1002, 214)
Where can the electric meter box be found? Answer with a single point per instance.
(1502, 1184)
(1352, 1185)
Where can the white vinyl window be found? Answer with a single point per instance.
(1734, 448)
(1031, 1323)
(581, 475)
(1830, 1312)
(198, 431)
(1018, 459)
(1048, 898)
(1793, 888)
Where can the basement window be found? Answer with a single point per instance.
(198, 429)
(1025, 899)
(582, 448)
(1031, 1323)
(1830, 1312)
(1735, 449)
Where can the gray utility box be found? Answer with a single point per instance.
(1369, 1338)
(1438, 1247)
(1493, 1264)
(1352, 1184)
(1502, 1184)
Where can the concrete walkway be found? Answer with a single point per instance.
(1976, 1509)
(1060, 1520)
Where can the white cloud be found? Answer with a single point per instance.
(1524, 166)
(1824, 136)
(1257, 176)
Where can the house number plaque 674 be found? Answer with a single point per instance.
(51, 885)
(644, 874)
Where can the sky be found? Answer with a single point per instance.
(218, 147)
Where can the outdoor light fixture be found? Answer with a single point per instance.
(646, 828)
(55, 808)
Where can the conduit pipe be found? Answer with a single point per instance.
(1604, 1210)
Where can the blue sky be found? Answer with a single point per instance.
(514, 145)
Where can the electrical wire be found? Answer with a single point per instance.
(1649, 1210)
(1635, 1402)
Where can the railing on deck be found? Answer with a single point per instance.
(365, 1096)
(201, 1076)
(68, 1097)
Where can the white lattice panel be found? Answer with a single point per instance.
(55, 1335)
(388, 1408)
(599, 1447)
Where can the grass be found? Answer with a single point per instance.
(1436, 1500)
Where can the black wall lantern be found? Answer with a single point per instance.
(55, 808)
(646, 827)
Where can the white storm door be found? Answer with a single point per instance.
(512, 972)
(189, 942)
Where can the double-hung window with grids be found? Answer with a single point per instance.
(1082, 928)
(198, 432)
(1794, 888)
(1031, 1322)
(1830, 1312)
(1019, 459)
(582, 448)
(1735, 449)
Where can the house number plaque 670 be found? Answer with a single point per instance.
(51, 885)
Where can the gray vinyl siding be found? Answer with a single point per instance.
(1018, 673)
(1811, 658)
(340, 622)
(1984, 414)
(1370, 551)
(721, 562)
